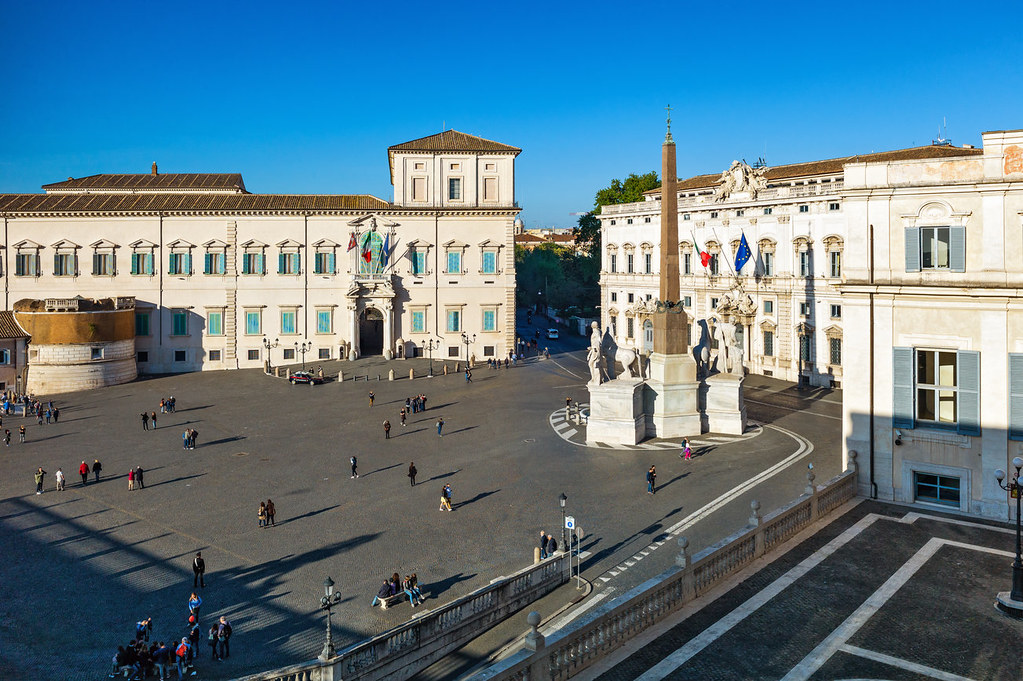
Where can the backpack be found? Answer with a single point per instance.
(182, 650)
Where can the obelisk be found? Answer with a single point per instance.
(671, 402)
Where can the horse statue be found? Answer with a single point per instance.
(629, 360)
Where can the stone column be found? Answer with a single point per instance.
(388, 329)
(353, 330)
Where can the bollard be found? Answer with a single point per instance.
(445, 368)
(852, 460)
(458, 367)
(534, 639)
(411, 374)
(754, 515)
(682, 559)
(340, 377)
(390, 375)
(378, 378)
(536, 555)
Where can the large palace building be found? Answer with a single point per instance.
(215, 269)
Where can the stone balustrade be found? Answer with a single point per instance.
(607, 627)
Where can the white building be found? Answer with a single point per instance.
(216, 269)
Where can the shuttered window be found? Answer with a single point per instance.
(935, 248)
(902, 381)
(936, 388)
(1016, 396)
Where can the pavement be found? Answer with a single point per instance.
(83, 565)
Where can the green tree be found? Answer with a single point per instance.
(587, 233)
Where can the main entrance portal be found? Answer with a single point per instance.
(371, 332)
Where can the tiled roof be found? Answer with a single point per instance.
(10, 328)
(452, 140)
(529, 238)
(172, 203)
(149, 182)
(833, 166)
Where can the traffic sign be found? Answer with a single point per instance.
(569, 522)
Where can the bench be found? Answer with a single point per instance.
(396, 599)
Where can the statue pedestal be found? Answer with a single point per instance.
(724, 407)
(671, 399)
(616, 412)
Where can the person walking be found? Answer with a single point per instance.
(387, 429)
(60, 480)
(185, 437)
(403, 414)
(468, 376)
(355, 467)
(412, 473)
(131, 479)
(83, 471)
(213, 640)
(96, 468)
(182, 653)
(145, 420)
(194, 603)
(7, 437)
(138, 477)
(21, 434)
(261, 514)
(445, 500)
(224, 632)
(440, 426)
(687, 451)
(40, 474)
(651, 481)
(199, 570)
(371, 396)
(271, 511)
(543, 544)
(193, 435)
(152, 418)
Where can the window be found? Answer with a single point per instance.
(768, 258)
(215, 262)
(687, 263)
(490, 189)
(646, 219)
(936, 248)
(289, 262)
(253, 262)
(804, 208)
(96, 353)
(768, 307)
(103, 263)
(614, 222)
(835, 351)
(490, 167)
(632, 297)
(453, 351)
(180, 356)
(455, 166)
(804, 309)
(490, 320)
(26, 263)
(454, 188)
(936, 489)
(324, 353)
(324, 262)
(215, 323)
(713, 303)
(419, 187)
(454, 321)
(419, 262)
(629, 263)
(253, 323)
(65, 264)
(179, 323)
(288, 322)
(768, 211)
(142, 356)
(488, 350)
(836, 311)
(419, 166)
(324, 321)
(630, 327)
(714, 264)
(180, 264)
(739, 213)
(214, 355)
(686, 216)
(614, 296)
(648, 264)
(834, 205)
(289, 353)
(687, 301)
(835, 260)
(713, 214)
(142, 262)
(141, 323)
(614, 263)
(805, 264)
(937, 387)
(418, 321)
(489, 262)
(768, 343)
(454, 262)
(253, 355)
(804, 348)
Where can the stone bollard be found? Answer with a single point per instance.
(852, 460)
(458, 367)
(755, 520)
(390, 375)
(534, 639)
(340, 377)
(811, 489)
(411, 374)
(754, 515)
(445, 368)
(682, 559)
(688, 578)
(536, 555)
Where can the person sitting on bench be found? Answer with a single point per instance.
(383, 594)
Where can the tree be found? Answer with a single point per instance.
(587, 233)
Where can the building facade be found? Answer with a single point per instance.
(220, 273)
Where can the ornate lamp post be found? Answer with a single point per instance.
(305, 347)
(562, 500)
(268, 346)
(430, 345)
(1011, 602)
(468, 340)
(329, 600)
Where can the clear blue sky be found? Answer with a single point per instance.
(306, 97)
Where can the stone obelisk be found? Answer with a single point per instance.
(672, 391)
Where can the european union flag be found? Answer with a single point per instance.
(385, 253)
(742, 255)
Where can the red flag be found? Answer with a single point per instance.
(704, 258)
(352, 243)
(367, 249)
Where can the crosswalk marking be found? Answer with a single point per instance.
(570, 433)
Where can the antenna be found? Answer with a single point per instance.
(942, 140)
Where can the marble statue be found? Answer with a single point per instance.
(730, 354)
(630, 362)
(740, 177)
(594, 356)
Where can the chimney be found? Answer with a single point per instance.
(154, 169)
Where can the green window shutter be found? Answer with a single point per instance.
(261, 263)
(149, 263)
(902, 380)
(187, 269)
(296, 263)
(96, 267)
(957, 249)
(331, 260)
(281, 264)
(968, 369)
(56, 264)
(207, 265)
(912, 249)
(1015, 396)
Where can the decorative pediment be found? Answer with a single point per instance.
(420, 243)
(372, 222)
(685, 246)
(767, 245)
(370, 289)
(802, 243)
(326, 243)
(613, 311)
(142, 243)
(804, 329)
(713, 246)
(833, 242)
(937, 211)
(611, 248)
(27, 244)
(103, 243)
(180, 243)
(215, 243)
(768, 325)
(65, 245)
(490, 243)
(646, 246)
(252, 243)
(455, 243)
(628, 247)
(833, 331)
(289, 243)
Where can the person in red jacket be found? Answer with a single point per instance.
(83, 471)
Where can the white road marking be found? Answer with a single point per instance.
(903, 664)
(605, 579)
(716, 438)
(797, 397)
(801, 411)
(570, 433)
(568, 617)
(567, 369)
(912, 517)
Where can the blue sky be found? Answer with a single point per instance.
(307, 97)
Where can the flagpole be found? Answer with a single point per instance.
(731, 269)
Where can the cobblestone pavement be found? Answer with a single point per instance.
(882, 592)
(83, 565)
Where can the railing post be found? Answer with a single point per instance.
(682, 560)
(539, 670)
(758, 533)
(852, 462)
(811, 489)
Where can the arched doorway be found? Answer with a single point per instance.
(648, 336)
(371, 332)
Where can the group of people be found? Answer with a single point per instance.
(11, 398)
(414, 405)
(445, 499)
(136, 479)
(394, 586)
(266, 513)
(83, 470)
(188, 438)
(147, 419)
(168, 405)
(548, 545)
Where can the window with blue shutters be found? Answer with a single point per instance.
(288, 322)
(179, 264)
(215, 323)
(253, 324)
(419, 262)
(936, 387)
(489, 262)
(419, 321)
(490, 320)
(323, 321)
(454, 262)
(179, 319)
(1016, 396)
(454, 321)
(902, 382)
(289, 262)
(215, 262)
(253, 262)
(935, 248)
(142, 263)
(323, 262)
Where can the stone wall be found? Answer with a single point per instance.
(66, 368)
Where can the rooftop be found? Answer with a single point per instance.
(151, 182)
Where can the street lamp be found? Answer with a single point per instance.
(305, 347)
(1011, 603)
(468, 340)
(269, 346)
(430, 345)
(562, 500)
(329, 600)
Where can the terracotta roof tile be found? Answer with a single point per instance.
(10, 328)
(149, 182)
(169, 203)
(452, 140)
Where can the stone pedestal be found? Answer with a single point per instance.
(1010, 607)
(671, 399)
(616, 412)
(723, 404)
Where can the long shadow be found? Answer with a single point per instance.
(233, 438)
(409, 432)
(478, 497)
(381, 470)
(461, 430)
(652, 529)
(80, 418)
(438, 406)
(310, 514)
(675, 479)
(441, 476)
(172, 480)
(51, 437)
(437, 588)
(179, 411)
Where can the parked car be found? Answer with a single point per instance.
(552, 334)
(305, 377)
